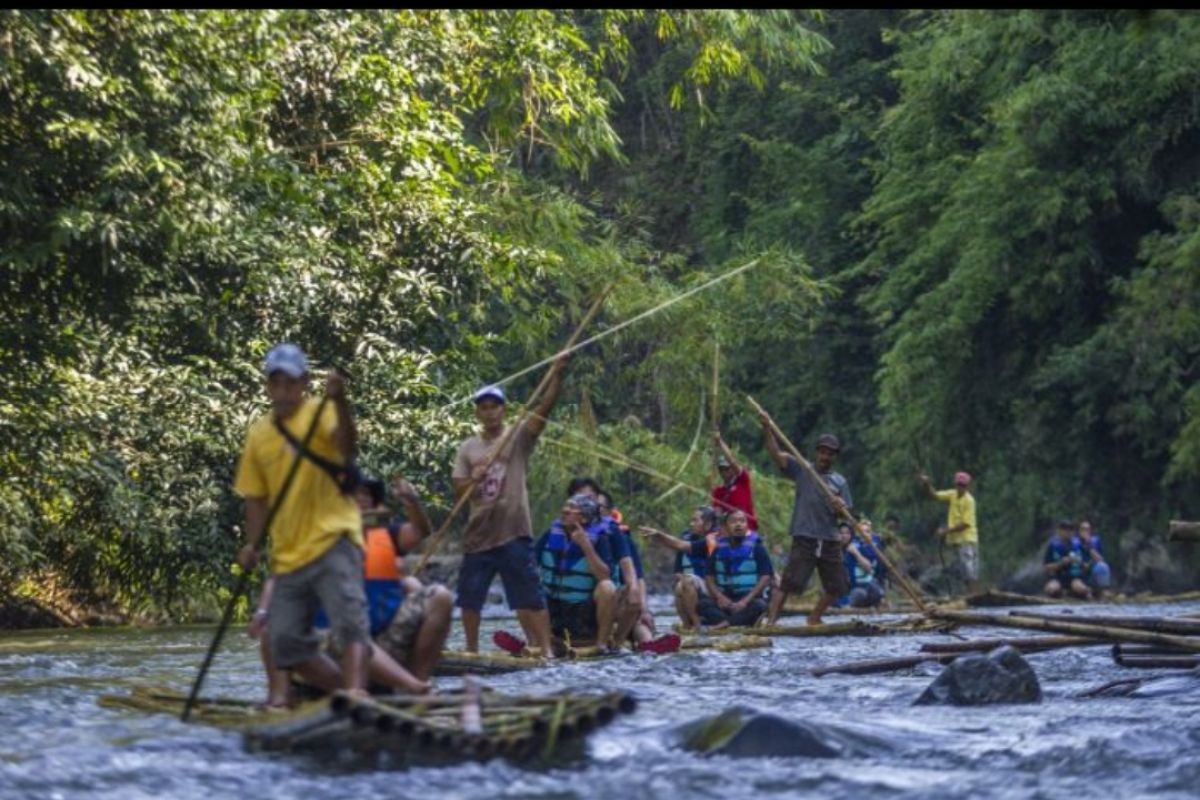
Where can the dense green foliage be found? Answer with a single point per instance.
(976, 237)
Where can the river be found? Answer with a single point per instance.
(57, 742)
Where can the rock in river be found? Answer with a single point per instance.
(741, 731)
(1002, 676)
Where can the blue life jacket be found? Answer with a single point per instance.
(381, 581)
(690, 564)
(734, 569)
(565, 573)
(1056, 550)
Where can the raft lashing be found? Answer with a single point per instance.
(413, 729)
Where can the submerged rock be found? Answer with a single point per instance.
(1002, 676)
(744, 732)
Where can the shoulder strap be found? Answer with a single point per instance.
(346, 477)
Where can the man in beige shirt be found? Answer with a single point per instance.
(499, 535)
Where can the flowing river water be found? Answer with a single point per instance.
(57, 742)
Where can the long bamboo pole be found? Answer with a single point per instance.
(1182, 529)
(435, 541)
(1188, 644)
(913, 592)
(1024, 644)
(1184, 627)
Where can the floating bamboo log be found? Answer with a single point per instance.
(1143, 650)
(1157, 662)
(1025, 645)
(1186, 627)
(1182, 529)
(1078, 629)
(878, 665)
(995, 597)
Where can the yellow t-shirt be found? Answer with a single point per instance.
(962, 509)
(315, 513)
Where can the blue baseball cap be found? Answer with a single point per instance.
(287, 358)
(492, 392)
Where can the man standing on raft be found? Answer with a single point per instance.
(815, 541)
(499, 535)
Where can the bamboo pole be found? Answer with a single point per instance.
(1025, 645)
(878, 665)
(1186, 627)
(1055, 626)
(1143, 650)
(1182, 529)
(902, 580)
(435, 541)
(1157, 662)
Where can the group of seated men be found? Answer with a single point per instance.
(1074, 562)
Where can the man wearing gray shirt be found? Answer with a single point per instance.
(815, 543)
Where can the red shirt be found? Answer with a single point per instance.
(739, 496)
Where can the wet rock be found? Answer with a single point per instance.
(1029, 578)
(1002, 676)
(744, 732)
(1151, 566)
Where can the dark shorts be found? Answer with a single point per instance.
(867, 595)
(574, 620)
(828, 564)
(518, 572)
(711, 614)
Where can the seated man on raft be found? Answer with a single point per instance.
(738, 574)
(575, 560)
(409, 621)
(691, 561)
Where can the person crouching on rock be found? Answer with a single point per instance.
(737, 576)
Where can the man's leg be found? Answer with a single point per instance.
(834, 581)
(385, 670)
(523, 591)
(605, 596)
(1052, 588)
(629, 610)
(432, 635)
(292, 641)
(474, 578)
(339, 586)
(778, 598)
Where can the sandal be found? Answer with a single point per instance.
(508, 643)
(667, 643)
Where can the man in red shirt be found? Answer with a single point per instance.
(734, 491)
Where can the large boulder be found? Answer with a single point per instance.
(744, 732)
(1002, 676)
(1152, 565)
(1028, 578)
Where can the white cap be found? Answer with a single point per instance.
(287, 358)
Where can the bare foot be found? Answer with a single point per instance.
(813, 620)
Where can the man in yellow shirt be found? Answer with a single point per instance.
(316, 533)
(960, 531)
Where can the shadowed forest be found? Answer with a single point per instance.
(975, 239)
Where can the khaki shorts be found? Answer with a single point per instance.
(966, 556)
(398, 638)
(822, 555)
(334, 582)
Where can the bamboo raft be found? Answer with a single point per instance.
(459, 662)
(412, 729)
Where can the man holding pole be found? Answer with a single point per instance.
(960, 531)
(316, 529)
(499, 536)
(815, 541)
